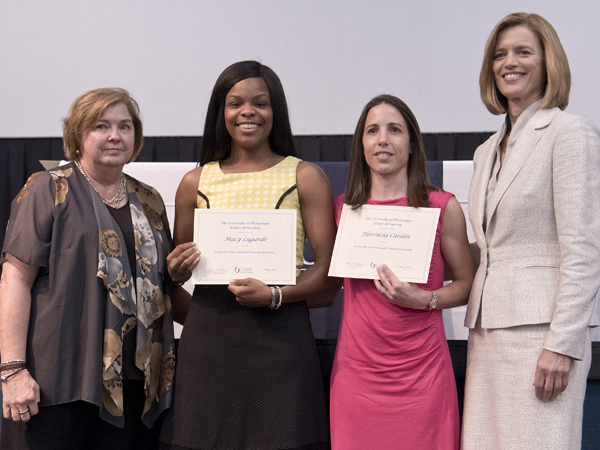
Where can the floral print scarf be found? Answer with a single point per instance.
(137, 299)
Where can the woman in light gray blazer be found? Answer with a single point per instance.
(534, 205)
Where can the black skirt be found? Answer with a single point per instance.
(246, 378)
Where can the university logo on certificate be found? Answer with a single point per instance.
(245, 243)
(401, 237)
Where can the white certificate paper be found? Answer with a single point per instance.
(399, 236)
(245, 243)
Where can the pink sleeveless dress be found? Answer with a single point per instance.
(392, 383)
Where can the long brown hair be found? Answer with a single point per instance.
(358, 186)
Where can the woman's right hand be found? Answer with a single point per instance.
(182, 261)
(20, 393)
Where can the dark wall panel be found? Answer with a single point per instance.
(19, 158)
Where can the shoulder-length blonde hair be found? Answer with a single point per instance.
(558, 74)
(85, 112)
(358, 186)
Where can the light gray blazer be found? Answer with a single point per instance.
(540, 256)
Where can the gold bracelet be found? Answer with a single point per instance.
(12, 361)
(432, 303)
(5, 378)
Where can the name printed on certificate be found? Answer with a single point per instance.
(245, 243)
(401, 237)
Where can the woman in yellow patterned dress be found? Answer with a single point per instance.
(248, 375)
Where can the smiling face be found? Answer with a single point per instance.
(519, 68)
(248, 113)
(110, 142)
(386, 140)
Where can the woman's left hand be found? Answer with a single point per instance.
(182, 261)
(400, 293)
(551, 375)
(250, 292)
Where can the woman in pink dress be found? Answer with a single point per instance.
(392, 385)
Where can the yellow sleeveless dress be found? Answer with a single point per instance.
(274, 188)
(247, 378)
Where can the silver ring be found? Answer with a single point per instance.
(24, 412)
(383, 292)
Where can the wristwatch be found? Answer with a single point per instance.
(432, 303)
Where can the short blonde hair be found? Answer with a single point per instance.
(88, 108)
(558, 74)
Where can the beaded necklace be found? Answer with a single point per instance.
(121, 192)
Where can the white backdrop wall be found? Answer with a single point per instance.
(332, 57)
